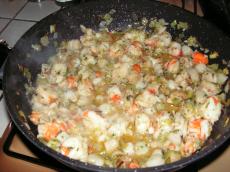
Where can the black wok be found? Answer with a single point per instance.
(67, 25)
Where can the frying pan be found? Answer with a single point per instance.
(67, 23)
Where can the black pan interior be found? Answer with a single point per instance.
(67, 23)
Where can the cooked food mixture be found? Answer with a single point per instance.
(127, 99)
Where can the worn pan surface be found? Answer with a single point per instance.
(67, 22)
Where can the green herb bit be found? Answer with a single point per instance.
(214, 55)
(192, 41)
(182, 25)
(173, 24)
(52, 28)
(36, 47)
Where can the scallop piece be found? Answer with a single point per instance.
(141, 148)
(79, 148)
(142, 123)
(129, 148)
(111, 145)
(194, 75)
(95, 159)
(201, 68)
(155, 159)
(118, 128)
(113, 90)
(96, 120)
(74, 45)
(105, 108)
(165, 39)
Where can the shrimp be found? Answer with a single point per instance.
(175, 141)
(174, 49)
(189, 146)
(118, 127)
(172, 66)
(58, 72)
(114, 94)
(46, 96)
(211, 109)
(147, 99)
(93, 120)
(120, 72)
(70, 96)
(89, 59)
(181, 79)
(199, 128)
(115, 51)
(134, 50)
(209, 88)
(200, 96)
(74, 45)
(48, 131)
(78, 148)
(172, 85)
(194, 75)
(35, 117)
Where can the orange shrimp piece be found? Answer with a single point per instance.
(71, 81)
(35, 117)
(63, 126)
(133, 165)
(170, 63)
(196, 123)
(152, 90)
(137, 44)
(172, 146)
(151, 43)
(91, 149)
(215, 100)
(115, 98)
(64, 150)
(85, 113)
(98, 74)
(51, 99)
(137, 68)
(199, 58)
(133, 108)
(52, 131)
(115, 54)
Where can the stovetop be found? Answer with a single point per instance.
(15, 149)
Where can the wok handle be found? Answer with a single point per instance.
(4, 51)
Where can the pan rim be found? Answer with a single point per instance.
(65, 160)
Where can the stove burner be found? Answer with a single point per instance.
(39, 156)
